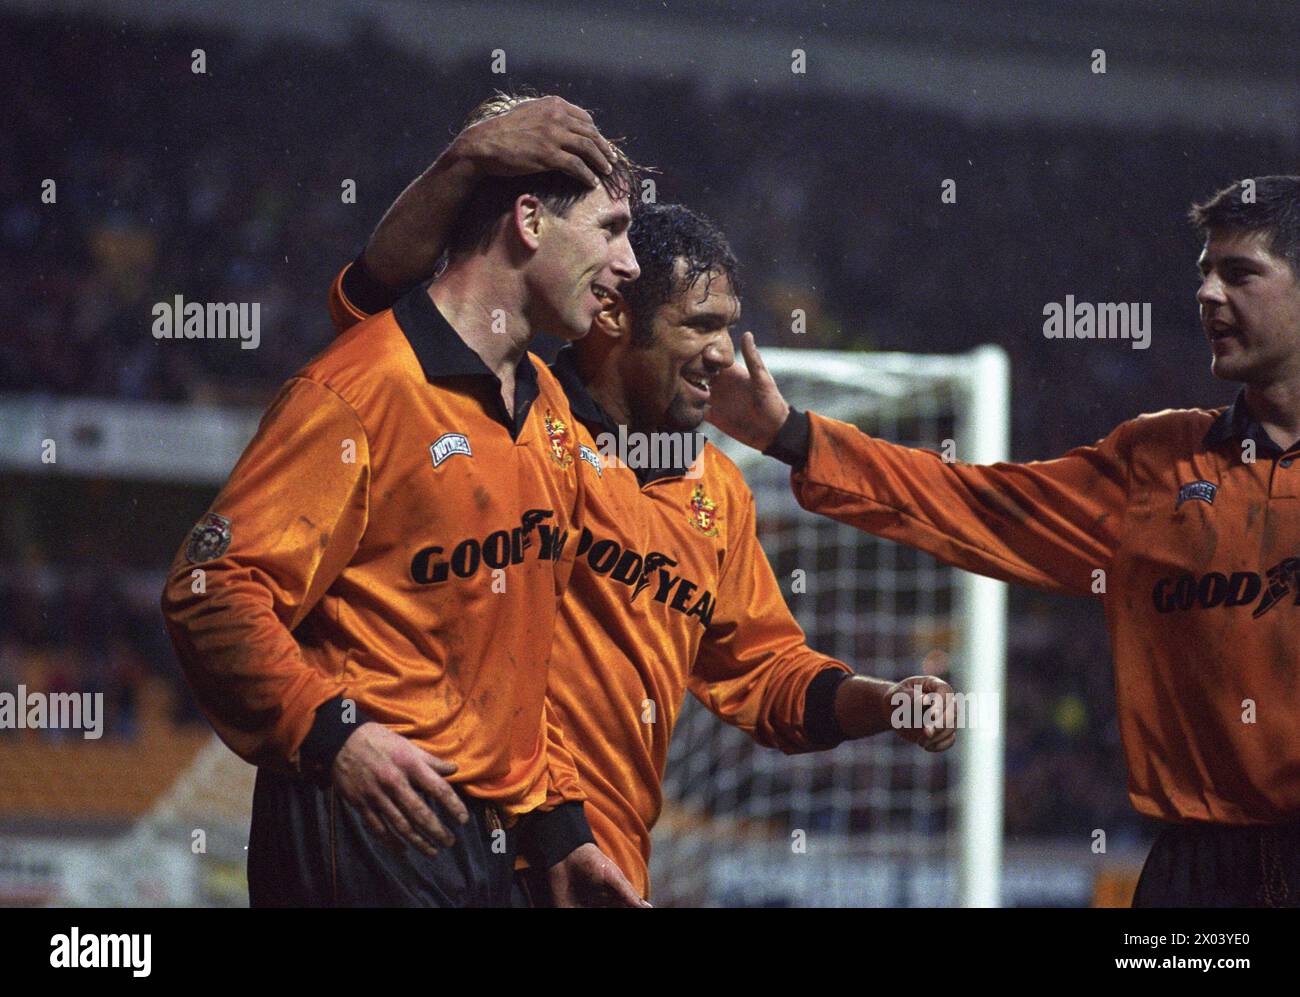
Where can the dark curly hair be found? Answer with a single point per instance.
(1274, 209)
(660, 235)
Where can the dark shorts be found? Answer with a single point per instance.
(531, 889)
(1214, 865)
(308, 848)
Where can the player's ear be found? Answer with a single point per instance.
(528, 220)
(615, 319)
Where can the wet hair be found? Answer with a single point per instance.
(494, 197)
(1273, 208)
(661, 234)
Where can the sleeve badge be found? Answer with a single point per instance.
(209, 539)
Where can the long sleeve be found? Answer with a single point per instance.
(285, 525)
(560, 825)
(562, 781)
(754, 666)
(1050, 524)
(355, 295)
(563, 809)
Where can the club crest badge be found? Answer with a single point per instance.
(561, 440)
(1201, 491)
(209, 539)
(703, 509)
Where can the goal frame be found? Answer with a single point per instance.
(982, 382)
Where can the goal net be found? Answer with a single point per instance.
(876, 821)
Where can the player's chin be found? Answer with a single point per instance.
(567, 334)
(686, 416)
(1233, 368)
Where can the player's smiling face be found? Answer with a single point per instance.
(668, 381)
(1250, 309)
(581, 257)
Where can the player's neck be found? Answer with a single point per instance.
(1276, 406)
(486, 310)
(600, 373)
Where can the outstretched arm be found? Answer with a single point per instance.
(1050, 524)
(755, 670)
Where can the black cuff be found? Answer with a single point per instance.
(365, 291)
(325, 740)
(819, 723)
(793, 440)
(547, 837)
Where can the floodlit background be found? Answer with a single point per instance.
(226, 186)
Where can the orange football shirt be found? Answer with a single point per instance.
(1193, 550)
(671, 591)
(394, 538)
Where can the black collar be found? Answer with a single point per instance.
(587, 409)
(1237, 422)
(444, 354)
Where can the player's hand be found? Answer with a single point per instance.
(382, 774)
(547, 133)
(746, 403)
(586, 877)
(938, 728)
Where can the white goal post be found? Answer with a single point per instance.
(874, 822)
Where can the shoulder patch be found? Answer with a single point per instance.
(209, 539)
(449, 444)
(703, 512)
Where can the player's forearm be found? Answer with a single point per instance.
(1048, 524)
(245, 669)
(407, 243)
(862, 706)
(548, 835)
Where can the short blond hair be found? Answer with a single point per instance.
(495, 196)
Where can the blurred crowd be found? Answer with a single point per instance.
(85, 630)
(227, 186)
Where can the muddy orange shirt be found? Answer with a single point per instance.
(671, 591)
(1194, 552)
(394, 543)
